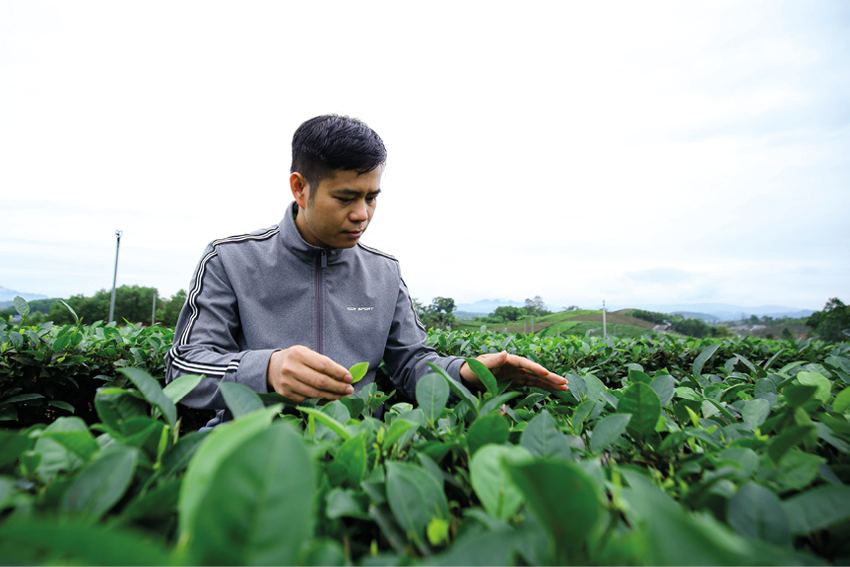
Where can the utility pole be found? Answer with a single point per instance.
(118, 235)
(532, 324)
(604, 326)
(153, 310)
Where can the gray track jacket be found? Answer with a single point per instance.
(269, 290)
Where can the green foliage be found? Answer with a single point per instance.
(833, 323)
(438, 315)
(652, 316)
(358, 371)
(50, 371)
(690, 327)
(167, 311)
(508, 313)
(669, 451)
(132, 303)
(35, 306)
(536, 307)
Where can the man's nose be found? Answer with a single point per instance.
(359, 213)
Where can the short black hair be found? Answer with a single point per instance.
(330, 143)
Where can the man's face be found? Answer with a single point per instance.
(340, 209)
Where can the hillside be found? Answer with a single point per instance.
(571, 323)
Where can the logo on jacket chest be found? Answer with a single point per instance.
(360, 308)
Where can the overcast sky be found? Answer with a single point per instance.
(636, 152)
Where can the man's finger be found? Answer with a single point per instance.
(304, 390)
(530, 372)
(521, 362)
(323, 383)
(324, 365)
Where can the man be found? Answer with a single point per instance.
(289, 308)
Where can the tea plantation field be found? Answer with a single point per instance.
(665, 451)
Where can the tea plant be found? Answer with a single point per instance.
(669, 451)
(49, 371)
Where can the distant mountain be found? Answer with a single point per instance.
(724, 311)
(709, 312)
(486, 306)
(9, 295)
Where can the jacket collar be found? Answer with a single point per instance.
(296, 244)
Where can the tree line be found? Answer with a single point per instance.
(691, 327)
(133, 303)
(440, 313)
(833, 323)
(830, 324)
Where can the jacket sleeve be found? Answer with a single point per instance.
(206, 339)
(406, 353)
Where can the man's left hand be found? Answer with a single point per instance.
(522, 371)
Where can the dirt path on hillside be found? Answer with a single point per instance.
(615, 318)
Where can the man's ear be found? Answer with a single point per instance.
(300, 189)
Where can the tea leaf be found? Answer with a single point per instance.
(664, 386)
(151, 390)
(157, 504)
(432, 393)
(607, 430)
(641, 401)
(71, 309)
(818, 508)
(349, 463)
(266, 484)
(755, 413)
(178, 388)
(823, 385)
(638, 376)
(756, 512)
(333, 424)
(842, 401)
(240, 399)
(490, 428)
(215, 450)
(342, 503)
(177, 457)
(484, 375)
(101, 485)
(53, 456)
(565, 501)
(61, 405)
(796, 396)
(500, 497)
(414, 497)
(59, 542)
(703, 357)
(399, 427)
(81, 443)
(790, 437)
(458, 388)
(358, 371)
(21, 306)
(543, 439)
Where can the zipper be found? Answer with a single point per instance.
(320, 268)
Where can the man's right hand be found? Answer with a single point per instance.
(299, 373)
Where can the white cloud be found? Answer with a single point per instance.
(546, 148)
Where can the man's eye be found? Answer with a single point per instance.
(344, 201)
(371, 199)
